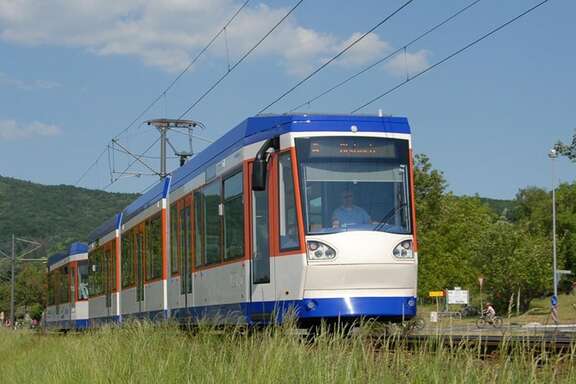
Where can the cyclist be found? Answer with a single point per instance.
(489, 312)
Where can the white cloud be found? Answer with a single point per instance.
(10, 130)
(408, 63)
(166, 34)
(8, 81)
(368, 50)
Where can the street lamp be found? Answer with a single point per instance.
(553, 154)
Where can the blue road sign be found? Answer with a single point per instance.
(554, 300)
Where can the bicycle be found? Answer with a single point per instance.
(484, 320)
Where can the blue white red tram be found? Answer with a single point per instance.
(308, 213)
(68, 289)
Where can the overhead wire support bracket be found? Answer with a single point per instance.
(136, 157)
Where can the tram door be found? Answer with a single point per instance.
(140, 267)
(109, 276)
(261, 263)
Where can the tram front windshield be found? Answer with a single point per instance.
(354, 184)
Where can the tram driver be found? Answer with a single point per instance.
(348, 213)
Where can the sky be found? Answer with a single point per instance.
(74, 74)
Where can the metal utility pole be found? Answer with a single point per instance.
(553, 154)
(163, 126)
(13, 282)
(13, 260)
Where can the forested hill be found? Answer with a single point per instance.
(54, 215)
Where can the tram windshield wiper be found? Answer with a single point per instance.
(388, 215)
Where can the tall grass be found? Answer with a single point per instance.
(145, 353)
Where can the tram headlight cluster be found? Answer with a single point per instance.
(404, 250)
(320, 251)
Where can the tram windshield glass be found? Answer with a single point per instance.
(354, 184)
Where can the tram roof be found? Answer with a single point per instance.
(252, 130)
(74, 249)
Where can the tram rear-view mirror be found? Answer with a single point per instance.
(259, 175)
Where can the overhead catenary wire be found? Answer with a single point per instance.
(343, 51)
(387, 57)
(168, 88)
(132, 163)
(237, 63)
(450, 56)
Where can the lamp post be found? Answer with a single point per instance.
(553, 154)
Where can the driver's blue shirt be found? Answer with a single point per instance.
(350, 216)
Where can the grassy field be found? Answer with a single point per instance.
(142, 353)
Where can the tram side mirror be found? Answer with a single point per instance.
(259, 168)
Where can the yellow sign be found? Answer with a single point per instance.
(436, 294)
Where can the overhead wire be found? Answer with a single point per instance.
(169, 87)
(343, 51)
(450, 56)
(246, 54)
(132, 163)
(387, 57)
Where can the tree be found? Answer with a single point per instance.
(568, 150)
(512, 259)
(429, 187)
(450, 248)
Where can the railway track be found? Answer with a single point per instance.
(491, 343)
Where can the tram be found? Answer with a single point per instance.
(67, 307)
(307, 214)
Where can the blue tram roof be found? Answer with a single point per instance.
(74, 249)
(250, 131)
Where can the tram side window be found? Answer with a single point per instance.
(233, 217)
(96, 272)
(199, 228)
(111, 259)
(174, 266)
(51, 298)
(128, 277)
(72, 283)
(213, 233)
(154, 245)
(289, 234)
(63, 286)
(83, 280)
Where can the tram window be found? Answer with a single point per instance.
(213, 233)
(354, 184)
(289, 238)
(185, 228)
(72, 283)
(82, 280)
(261, 255)
(233, 217)
(154, 251)
(112, 265)
(51, 288)
(198, 228)
(128, 278)
(63, 286)
(96, 273)
(174, 267)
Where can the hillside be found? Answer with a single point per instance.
(54, 215)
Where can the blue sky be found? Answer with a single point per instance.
(74, 73)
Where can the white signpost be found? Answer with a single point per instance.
(457, 296)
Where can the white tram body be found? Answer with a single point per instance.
(312, 214)
(68, 289)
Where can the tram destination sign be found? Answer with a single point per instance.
(345, 147)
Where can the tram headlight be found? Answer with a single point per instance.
(404, 250)
(320, 251)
